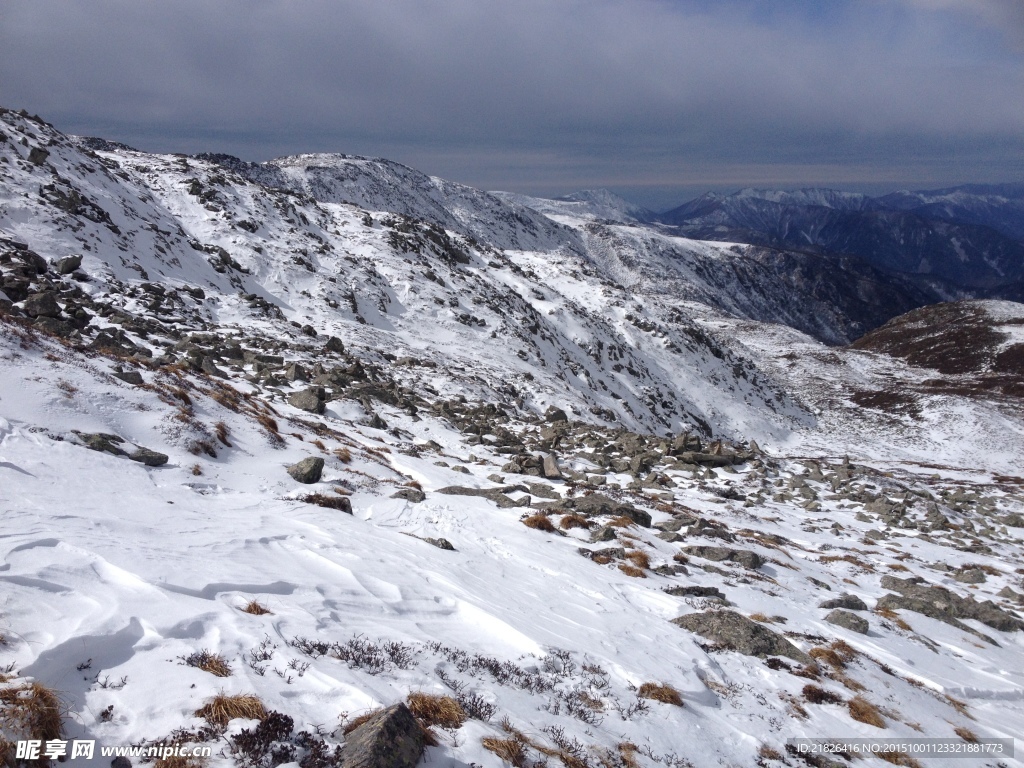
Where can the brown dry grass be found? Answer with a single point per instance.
(574, 521)
(814, 694)
(355, 722)
(512, 751)
(959, 706)
(891, 615)
(197, 469)
(863, 711)
(329, 502)
(442, 711)
(639, 559)
(320, 444)
(213, 663)
(539, 522)
(256, 608)
(222, 708)
(662, 692)
(222, 432)
(344, 455)
(768, 753)
(966, 734)
(32, 711)
(632, 570)
(851, 559)
(621, 522)
(627, 754)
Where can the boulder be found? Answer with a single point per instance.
(599, 504)
(296, 372)
(68, 264)
(311, 400)
(102, 442)
(970, 576)
(848, 620)
(738, 633)
(415, 495)
(551, 469)
(743, 557)
(38, 155)
(129, 377)
(847, 601)
(390, 739)
(307, 471)
(554, 414)
(42, 305)
(149, 457)
(944, 605)
(441, 544)
(334, 345)
(54, 327)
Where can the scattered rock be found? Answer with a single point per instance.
(944, 605)
(68, 264)
(307, 471)
(129, 377)
(311, 400)
(554, 414)
(42, 305)
(846, 601)
(970, 576)
(149, 457)
(551, 468)
(390, 739)
(744, 557)
(38, 155)
(334, 345)
(414, 495)
(848, 620)
(738, 633)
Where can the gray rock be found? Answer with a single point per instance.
(311, 400)
(415, 495)
(149, 457)
(102, 442)
(68, 264)
(738, 633)
(848, 620)
(551, 468)
(847, 601)
(441, 544)
(42, 305)
(129, 377)
(54, 327)
(296, 372)
(307, 471)
(390, 739)
(744, 557)
(599, 504)
(944, 605)
(693, 590)
(604, 533)
(209, 367)
(38, 155)
(970, 576)
(334, 345)
(554, 414)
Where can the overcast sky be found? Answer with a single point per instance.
(657, 99)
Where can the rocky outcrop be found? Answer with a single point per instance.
(738, 633)
(390, 739)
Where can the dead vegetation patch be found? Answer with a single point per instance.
(539, 522)
(213, 663)
(662, 692)
(440, 711)
(32, 711)
(863, 711)
(222, 709)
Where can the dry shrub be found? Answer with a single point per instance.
(510, 750)
(256, 608)
(574, 521)
(32, 711)
(539, 522)
(632, 570)
(320, 444)
(442, 711)
(891, 615)
(966, 734)
(269, 423)
(627, 752)
(222, 708)
(828, 656)
(639, 559)
(899, 758)
(330, 502)
(814, 694)
(897, 567)
(222, 432)
(213, 663)
(959, 706)
(355, 722)
(197, 469)
(768, 753)
(863, 711)
(621, 522)
(844, 650)
(662, 692)
(179, 761)
(344, 455)
(763, 618)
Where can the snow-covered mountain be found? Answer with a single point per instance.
(326, 462)
(948, 235)
(595, 204)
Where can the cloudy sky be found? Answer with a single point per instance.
(657, 99)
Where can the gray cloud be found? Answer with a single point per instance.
(542, 95)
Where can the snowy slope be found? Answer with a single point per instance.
(554, 439)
